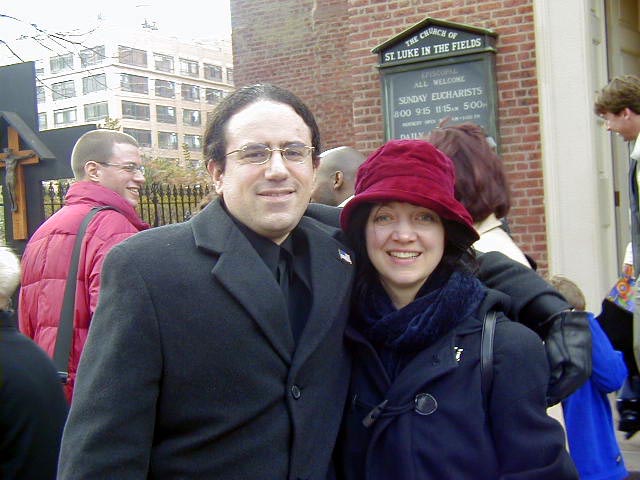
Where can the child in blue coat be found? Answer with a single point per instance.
(587, 413)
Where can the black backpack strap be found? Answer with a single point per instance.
(62, 351)
(486, 356)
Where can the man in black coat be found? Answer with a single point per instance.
(33, 407)
(216, 350)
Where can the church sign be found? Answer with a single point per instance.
(437, 71)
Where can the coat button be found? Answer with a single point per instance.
(425, 404)
(296, 393)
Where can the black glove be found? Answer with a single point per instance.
(568, 346)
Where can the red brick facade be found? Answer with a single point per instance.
(321, 50)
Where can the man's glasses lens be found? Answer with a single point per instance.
(259, 154)
(128, 167)
(132, 168)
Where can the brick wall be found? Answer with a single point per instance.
(322, 51)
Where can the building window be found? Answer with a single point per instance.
(163, 63)
(190, 92)
(194, 142)
(189, 67)
(42, 121)
(62, 90)
(143, 137)
(135, 110)
(96, 111)
(40, 94)
(61, 63)
(92, 56)
(134, 83)
(132, 56)
(165, 89)
(64, 116)
(229, 75)
(213, 95)
(94, 83)
(191, 117)
(168, 140)
(212, 72)
(165, 114)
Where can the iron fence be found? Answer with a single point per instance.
(159, 204)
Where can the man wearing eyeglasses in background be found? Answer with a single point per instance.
(216, 350)
(108, 172)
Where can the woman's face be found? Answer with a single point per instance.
(405, 244)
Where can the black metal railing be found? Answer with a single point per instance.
(159, 204)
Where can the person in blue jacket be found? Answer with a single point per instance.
(587, 412)
(416, 407)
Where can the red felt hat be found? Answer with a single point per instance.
(412, 171)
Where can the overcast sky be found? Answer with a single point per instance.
(187, 19)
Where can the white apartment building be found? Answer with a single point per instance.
(159, 88)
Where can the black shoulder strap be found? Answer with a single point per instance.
(64, 337)
(486, 356)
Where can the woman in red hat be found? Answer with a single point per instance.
(419, 405)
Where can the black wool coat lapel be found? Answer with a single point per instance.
(327, 269)
(253, 285)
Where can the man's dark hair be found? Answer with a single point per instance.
(481, 185)
(215, 143)
(620, 93)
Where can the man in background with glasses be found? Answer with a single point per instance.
(618, 104)
(108, 172)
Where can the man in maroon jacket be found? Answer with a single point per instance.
(109, 172)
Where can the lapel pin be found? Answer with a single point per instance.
(344, 256)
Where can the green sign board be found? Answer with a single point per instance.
(438, 71)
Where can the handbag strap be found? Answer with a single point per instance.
(486, 356)
(64, 337)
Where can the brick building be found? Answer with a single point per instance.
(566, 173)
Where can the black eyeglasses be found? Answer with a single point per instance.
(259, 154)
(129, 167)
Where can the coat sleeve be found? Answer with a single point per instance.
(111, 423)
(608, 368)
(111, 228)
(529, 444)
(533, 300)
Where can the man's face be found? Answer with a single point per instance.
(270, 198)
(623, 124)
(322, 191)
(121, 180)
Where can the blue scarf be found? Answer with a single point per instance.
(444, 302)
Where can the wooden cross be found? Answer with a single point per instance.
(13, 159)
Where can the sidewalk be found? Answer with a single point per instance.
(630, 451)
(630, 448)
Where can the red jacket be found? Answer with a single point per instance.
(46, 259)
